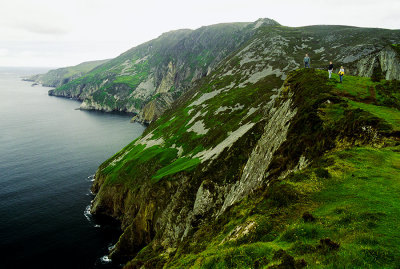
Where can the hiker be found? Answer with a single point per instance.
(330, 69)
(341, 73)
(306, 61)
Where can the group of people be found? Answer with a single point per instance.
(330, 68)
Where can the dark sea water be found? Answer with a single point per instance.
(48, 152)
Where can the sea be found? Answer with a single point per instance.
(49, 152)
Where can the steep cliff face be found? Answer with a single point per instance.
(221, 144)
(146, 78)
(322, 200)
(387, 60)
(240, 132)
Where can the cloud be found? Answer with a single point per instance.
(40, 28)
(3, 52)
(61, 33)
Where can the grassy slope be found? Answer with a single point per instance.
(83, 67)
(54, 76)
(351, 195)
(162, 161)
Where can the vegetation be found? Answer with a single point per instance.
(342, 211)
(191, 53)
(187, 56)
(172, 130)
(346, 217)
(61, 76)
(396, 47)
(168, 186)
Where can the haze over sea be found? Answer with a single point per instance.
(48, 152)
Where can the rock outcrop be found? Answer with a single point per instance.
(387, 60)
(154, 109)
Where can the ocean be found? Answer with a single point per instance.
(49, 152)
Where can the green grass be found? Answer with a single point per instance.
(84, 67)
(363, 89)
(381, 99)
(181, 164)
(396, 47)
(390, 115)
(361, 205)
(137, 162)
(132, 81)
(353, 85)
(357, 207)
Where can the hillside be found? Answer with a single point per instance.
(244, 172)
(61, 76)
(148, 78)
(337, 208)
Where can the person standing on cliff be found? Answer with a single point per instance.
(306, 61)
(330, 69)
(341, 74)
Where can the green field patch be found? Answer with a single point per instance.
(131, 81)
(390, 115)
(181, 164)
(355, 86)
(138, 163)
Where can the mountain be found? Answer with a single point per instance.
(255, 165)
(151, 76)
(146, 79)
(61, 76)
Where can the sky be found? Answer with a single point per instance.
(57, 33)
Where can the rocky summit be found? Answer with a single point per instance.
(250, 160)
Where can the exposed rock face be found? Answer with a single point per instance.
(387, 60)
(274, 135)
(165, 213)
(168, 80)
(153, 109)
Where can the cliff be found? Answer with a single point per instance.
(387, 61)
(147, 79)
(244, 172)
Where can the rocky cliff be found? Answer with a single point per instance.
(147, 79)
(218, 169)
(387, 61)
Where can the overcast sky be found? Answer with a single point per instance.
(56, 33)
